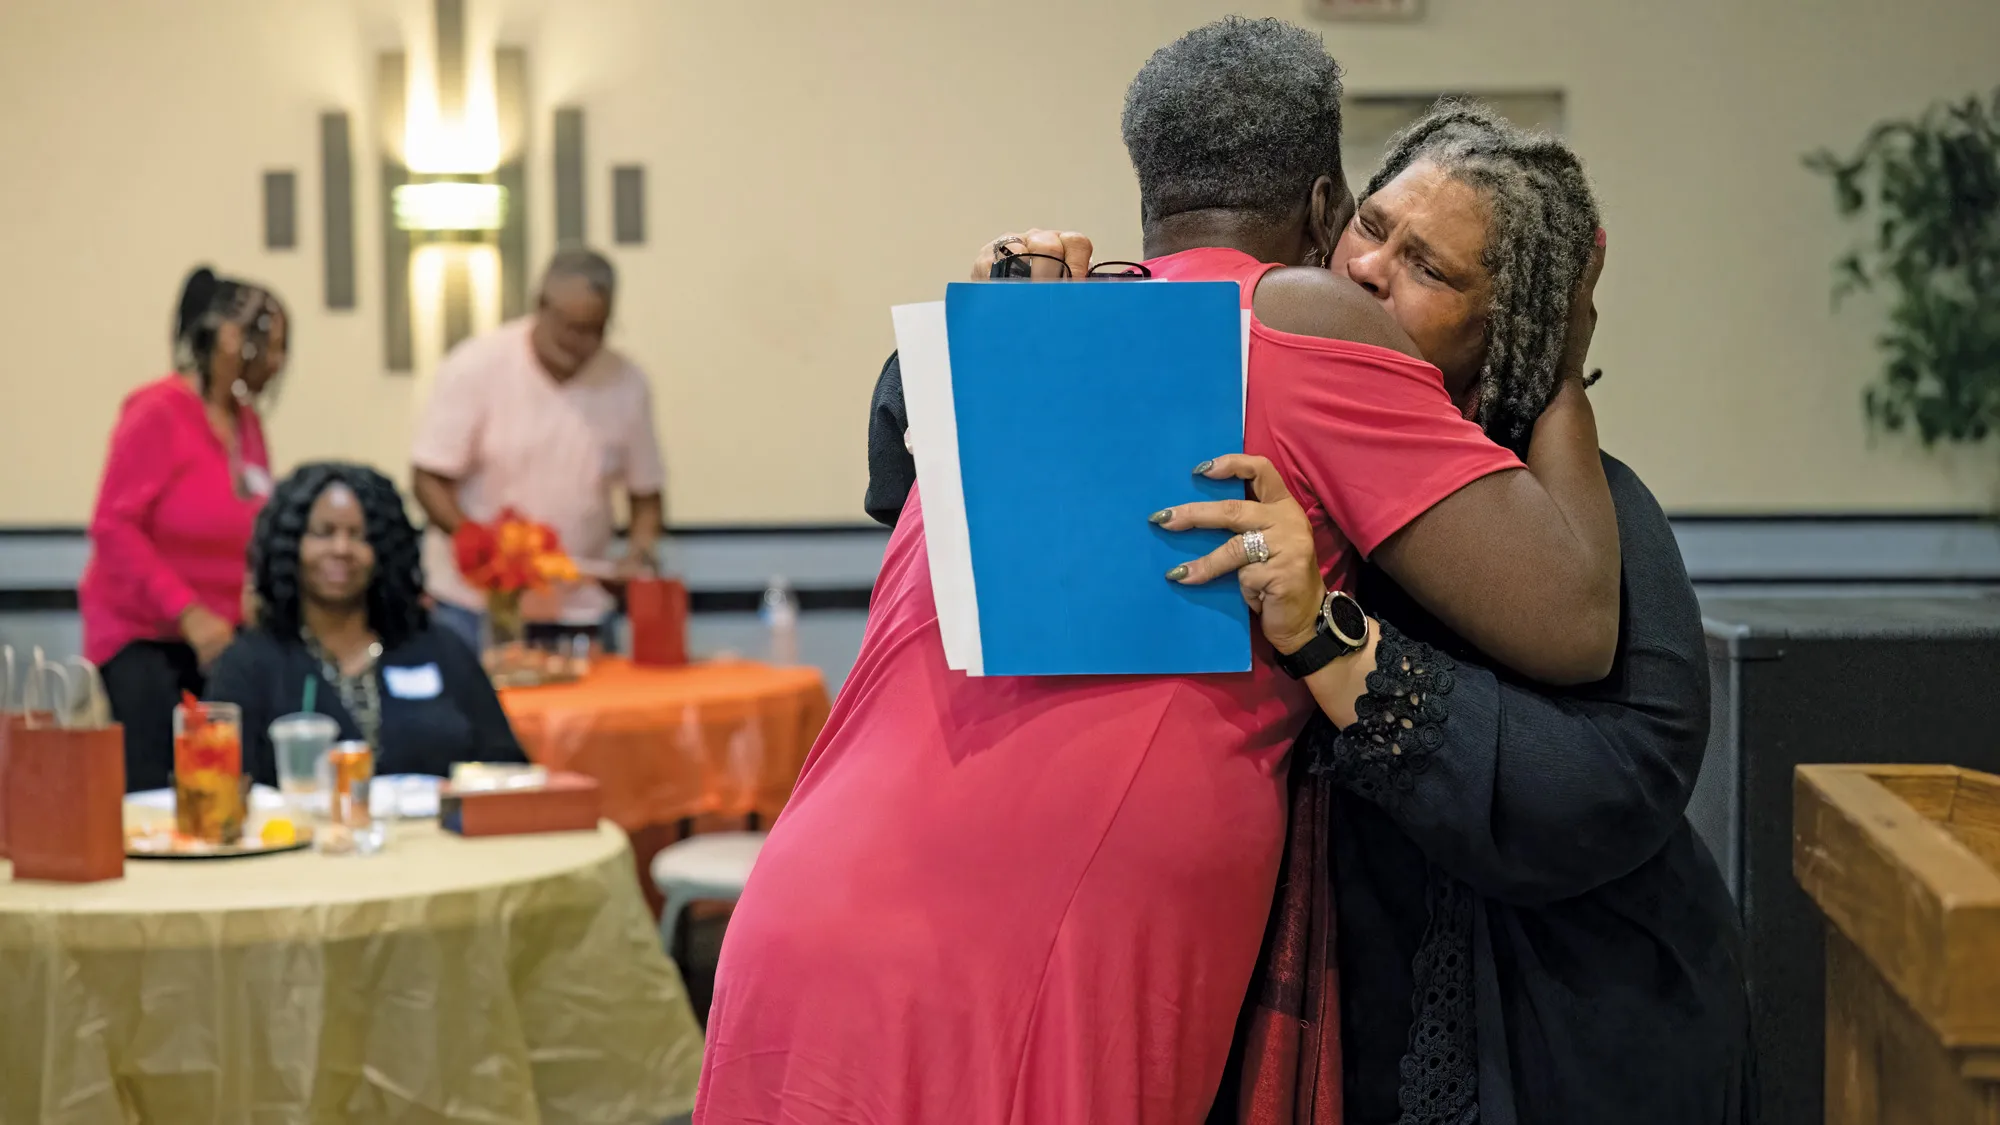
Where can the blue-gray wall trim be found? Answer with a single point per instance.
(833, 567)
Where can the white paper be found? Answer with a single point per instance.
(411, 795)
(1246, 366)
(925, 355)
(423, 681)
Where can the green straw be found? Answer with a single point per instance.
(312, 693)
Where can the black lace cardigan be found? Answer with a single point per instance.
(1529, 932)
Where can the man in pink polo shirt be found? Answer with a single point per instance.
(539, 416)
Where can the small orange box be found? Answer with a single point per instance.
(568, 802)
(65, 795)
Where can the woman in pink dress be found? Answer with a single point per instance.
(1038, 900)
(187, 472)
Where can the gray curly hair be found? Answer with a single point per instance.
(1539, 240)
(1241, 114)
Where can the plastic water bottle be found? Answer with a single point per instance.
(780, 615)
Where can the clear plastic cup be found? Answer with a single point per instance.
(298, 741)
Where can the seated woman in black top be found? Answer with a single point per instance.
(336, 567)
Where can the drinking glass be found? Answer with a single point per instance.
(347, 772)
(209, 799)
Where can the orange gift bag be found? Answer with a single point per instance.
(658, 611)
(7, 721)
(64, 781)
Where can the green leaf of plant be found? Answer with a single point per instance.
(1929, 189)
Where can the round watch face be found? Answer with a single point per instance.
(1345, 620)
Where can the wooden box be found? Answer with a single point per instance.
(1904, 863)
(567, 802)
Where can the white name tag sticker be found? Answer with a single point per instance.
(420, 682)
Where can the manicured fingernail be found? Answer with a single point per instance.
(1600, 238)
(1177, 573)
(1204, 467)
(1161, 516)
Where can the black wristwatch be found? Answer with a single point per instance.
(1342, 630)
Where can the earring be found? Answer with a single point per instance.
(1318, 258)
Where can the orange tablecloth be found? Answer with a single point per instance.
(668, 744)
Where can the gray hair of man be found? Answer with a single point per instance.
(1541, 231)
(1240, 114)
(584, 263)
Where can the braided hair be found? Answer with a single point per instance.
(1540, 236)
(207, 303)
(196, 293)
(395, 589)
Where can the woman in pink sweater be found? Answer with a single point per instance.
(187, 471)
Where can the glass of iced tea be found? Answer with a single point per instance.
(347, 774)
(209, 799)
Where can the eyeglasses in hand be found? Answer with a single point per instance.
(1008, 265)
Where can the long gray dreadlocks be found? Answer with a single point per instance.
(1539, 240)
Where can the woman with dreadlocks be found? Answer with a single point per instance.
(336, 566)
(187, 471)
(1493, 907)
(1527, 928)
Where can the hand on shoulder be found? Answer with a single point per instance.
(1309, 301)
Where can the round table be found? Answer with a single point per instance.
(674, 748)
(670, 744)
(445, 980)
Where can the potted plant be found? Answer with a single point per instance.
(1927, 191)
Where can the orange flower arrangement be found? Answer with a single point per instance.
(511, 555)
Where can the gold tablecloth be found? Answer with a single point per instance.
(503, 980)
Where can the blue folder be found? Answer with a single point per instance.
(1081, 409)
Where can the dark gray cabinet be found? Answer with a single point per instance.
(1824, 679)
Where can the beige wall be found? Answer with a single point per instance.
(811, 163)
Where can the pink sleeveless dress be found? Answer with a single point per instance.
(1038, 900)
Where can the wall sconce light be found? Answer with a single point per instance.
(454, 193)
(442, 206)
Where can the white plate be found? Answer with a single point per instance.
(263, 798)
(398, 794)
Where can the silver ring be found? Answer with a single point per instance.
(1254, 547)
